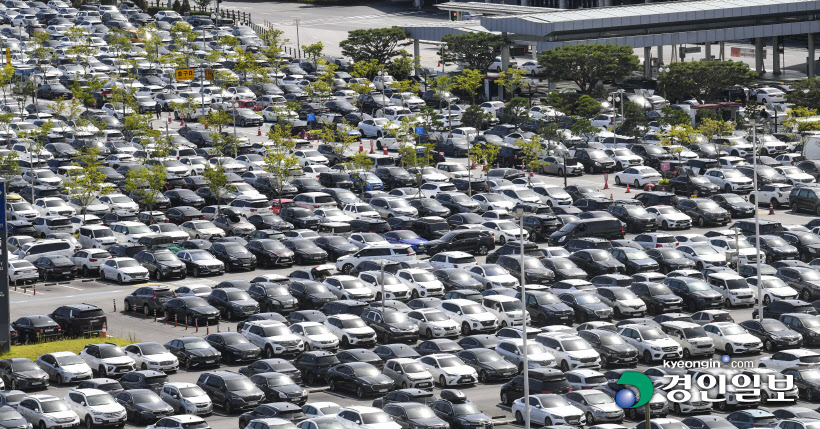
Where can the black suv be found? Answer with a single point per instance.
(430, 228)
(230, 390)
(595, 161)
(704, 212)
(658, 297)
(273, 297)
(391, 325)
(315, 364)
(806, 199)
(514, 248)
(613, 349)
(696, 294)
(692, 185)
(465, 240)
(148, 299)
(301, 217)
(234, 256)
(637, 219)
(335, 180)
(547, 309)
(395, 177)
(540, 226)
(233, 303)
(161, 264)
(767, 227)
(233, 347)
(79, 319)
(458, 412)
(657, 198)
(541, 379)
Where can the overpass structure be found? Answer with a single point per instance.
(649, 25)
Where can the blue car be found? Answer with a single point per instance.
(366, 181)
(407, 237)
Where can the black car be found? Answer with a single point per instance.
(454, 278)
(470, 241)
(807, 382)
(335, 180)
(807, 244)
(696, 294)
(612, 348)
(301, 217)
(194, 352)
(161, 264)
(586, 306)
(773, 333)
(185, 197)
(143, 406)
(540, 380)
(391, 325)
(669, 259)
(335, 246)
(806, 281)
(704, 211)
(458, 219)
(488, 364)
(234, 256)
(360, 377)
(314, 365)
(540, 226)
(592, 204)
(395, 177)
(53, 91)
(784, 306)
(534, 272)
(595, 161)
(55, 267)
(273, 365)
(546, 309)
(22, 374)
(807, 325)
(270, 221)
(191, 310)
(369, 225)
(306, 251)
(233, 347)
(658, 297)
(273, 297)
(310, 294)
(270, 253)
(637, 219)
(144, 379)
(692, 185)
(79, 319)
(775, 248)
(635, 260)
(596, 262)
(657, 198)
(36, 328)
(233, 303)
(280, 410)
(457, 202)
(458, 412)
(735, 205)
(230, 390)
(393, 351)
(513, 248)
(277, 387)
(430, 207)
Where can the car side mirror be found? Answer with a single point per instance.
(358, 422)
(82, 403)
(399, 371)
(459, 313)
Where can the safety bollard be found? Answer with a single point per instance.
(186, 323)
(196, 325)
(155, 315)
(115, 305)
(207, 328)
(175, 320)
(34, 287)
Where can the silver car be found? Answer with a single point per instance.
(187, 398)
(408, 373)
(64, 367)
(598, 407)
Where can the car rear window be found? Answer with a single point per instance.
(87, 314)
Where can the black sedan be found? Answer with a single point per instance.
(270, 221)
(53, 91)
(55, 267)
(438, 345)
(310, 294)
(276, 365)
(596, 262)
(233, 347)
(306, 252)
(233, 303)
(161, 264)
(144, 379)
(454, 278)
(774, 334)
(234, 256)
(736, 205)
(635, 260)
(181, 214)
(335, 246)
(191, 309)
(185, 197)
(429, 207)
(586, 306)
(279, 387)
(393, 351)
(670, 259)
(362, 378)
(194, 352)
(273, 297)
(22, 374)
(775, 248)
(201, 262)
(807, 382)
(489, 364)
(564, 269)
(32, 329)
(143, 406)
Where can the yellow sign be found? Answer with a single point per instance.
(185, 74)
(209, 74)
(8, 55)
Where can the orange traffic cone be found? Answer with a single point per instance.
(169, 117)
(627, 189)
(361, 148)
(206, 126)
(611, 197)
(606, 182)
(104, 332)
(372, 149)
(771, 209)
(182, 121)
(259, 131)
(385, 150)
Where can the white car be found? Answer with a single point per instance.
(493, 201)
(652, 344)
(332, 215)
(733, 247)
(123, 270)
(730, 180)
(53, 206)
(315, 335)
(48, 412)
(472, 316)
(553, 195)
(64, 367)
(21, 210)
(186, 398)
(309, 157)
(792, 358)
(95, 407)
(521, 194)
(376, 127)
(770, 95)
(349, 287)
(119, 202)
(512, 350)
(273, 338)
(604, 121)
(639, 176)
(732, 338)
(795, 175)
(505, 230)
(433, 323)
(493, 276)
(452, 259)
(177, 422)
(548, 410)
(393, 252)
(532, 68)
(669, 217)
(22, 271)
(365, 239)
(320, 409)
(625, 157)
(153, 356)
(623, 301)
(202, 229)
(703, 254)
(733, 288)
(431, 189)
(108, 359)
(391, 285)
(170, 230)
(422, 283)
(774, 289)
(130, 231)
(570, 350)
(362, 417)
(691, 337)
(449, 370)
(776, 194)
(350, 330)
(360, 211)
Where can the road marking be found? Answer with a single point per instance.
(66, 296)
(25, 293)
(71, 287)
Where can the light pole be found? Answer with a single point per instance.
(757, 222)
(520, 212)
(298, 43)
(381, 265)
(614, 97)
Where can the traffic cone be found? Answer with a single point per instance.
(611, 197)
(531, 174)
(182, 121)
(472, 166)
(104, 332)
(259, 131)
(606, 182)
(627, 189)
(372, 150)
(169, 117)
(206, 126)
(385, 150)
(771, 209)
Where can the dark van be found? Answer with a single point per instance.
(610, 229)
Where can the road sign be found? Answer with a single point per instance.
(209, 74)
(419, 130)
(311, 117)
(665, 166)
(5, 304)
(185, 74)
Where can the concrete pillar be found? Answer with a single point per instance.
(722, 50)
(660, 55)
(505, 64)
(647, 62)
(775, 55)
(535, 52)
(759, 44)
(606, 3)
(562, 4)
(525, 2)
(708, 51)
(811, 57)
(416, 53)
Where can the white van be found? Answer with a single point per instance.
(31, 251)
(96, 237)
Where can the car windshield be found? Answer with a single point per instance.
(99, 399)
(776, 242)
(235, 384)
(708, 205)
(809, 275)
(153, 349)
(111, 352)
(575, 344)
(164, 257)
(395, 317)
(638, 255)
(490, 270)
(193, 391)
(473, 309)
(586, 298)
(694, 332)
(465, 409)
(54, 406)
(419, 412)
(512, 306)
(275, 330)
(698, 285)
(316, 330)
(69, 360)
(366, 371)
(611, 340)
(353, 323)
(127, 264)
(376, 418)
(810, 374)
(237, 295)
(732, 330)
(704, 250)
(812, 322)
(547, 299)
(197, 345)
(279, 380)
(145, 398)
(233, 339)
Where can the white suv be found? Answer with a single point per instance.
(691, 337)
(393, 287)
(733, 288)
(152, 356)
(570, 350)
(434, 323)
(95, 407)
(274, 338)
(109, 359)
(512, 349)
(394, 252)
(349, 287)
(452, 259)
(472, 316)
(350, 330)
(186, 398)
(47, 411)
(130, 231)
(651, 343)
(507, 309)
(422, 283)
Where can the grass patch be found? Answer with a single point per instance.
(32, 351)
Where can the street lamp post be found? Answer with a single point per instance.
(757, 222)
(298, 43)
(526, 363)
(615, 97)
(381, 265)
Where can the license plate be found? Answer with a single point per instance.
(425, 384)
(210, 361)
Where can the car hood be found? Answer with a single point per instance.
(122, 360)
(160, 357)
(499, 364)
(243, 347)
(203, 353)
(414, 241)
(244, 302)
(154, 406)
(667, 298)
(205, 309)
(620, 348)
(742, 338)
(475, 418)
(609, 263)
(34, 373)
(110, 408)
(557, 308)
(706, 293)
(289, 388)
(378, 379)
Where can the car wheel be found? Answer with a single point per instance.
(590, 419)
(727, 303)
(729, 349)
(502, 240)
(119, 279)
(805, 295)
(189, 364)
(145, 311)
(404, 385)
(505, 399)
(465, 329)
(483, 376)
(331, 385)
(347, 268)
(636, 184)
(482, 250)
(604, 361)
(42, 425)
(564, 366)
(701, 222)
(60, 379)
(84, 271)
(102, 371)
(817, 210)
(617, 180)
(767, 300)
(269, 352)
(143, 367)
(159, 275)
(547, 421)
(647, 357)
(617, 312)
(196, 272)
(228, 407)
(429, 334)
(360, 392)
(127, 306)
(189, 320)
(687, 354)
(561, 172)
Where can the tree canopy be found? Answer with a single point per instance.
(380, 44)
(586, 65)
(475, 50)
(703, 78)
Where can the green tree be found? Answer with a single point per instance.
(586, 65)
(583, 128)
(202, 4)
(359, 162)
(186, 7)
(380, 44)
(801, 118)
(475, 51)
(9, 166)
(88, 182)
(147, 183)
(685, 79)
(511, 80)
(367, 69)
(531, 152)
(474, 116)
(582, 105)
(634, 121)
(314, 51)
(470, 81)
(674, 117)
(218, 183)
(279, 160)
(806, 93)
(42, 52)
(515, 112)
(401, 66)
(711, 128)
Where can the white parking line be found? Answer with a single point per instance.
(71, 287)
